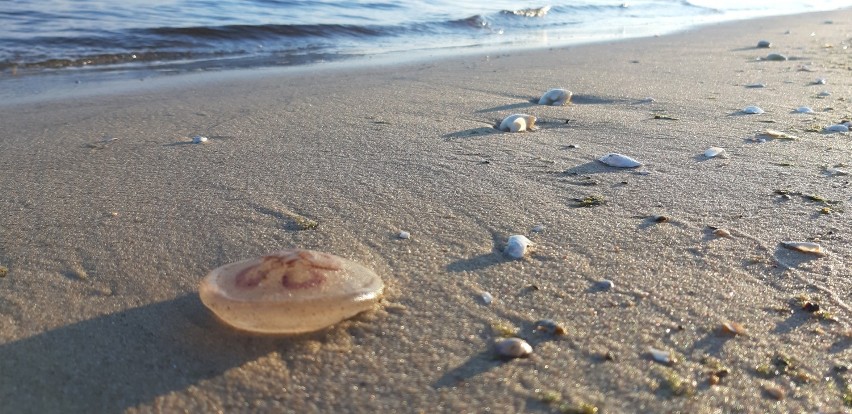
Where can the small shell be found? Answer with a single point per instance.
(776, 57)
(775, 392)
(550, 326)
(820, 81)
(804, 110)
(836, 128)
(771, 133)
(756, 85)
(605, 284)
(752, 110)
(404, 235)
(617, 160)
(764, 44)
(518, 123)
(517, 246)
(555, 97)
(198, 139)
(513, 348)
(824, 94)
(734, 328)
(836, 171)
(663, 357)
(290, 291)
(714, 152)
(538, 228)
(805, 247)
(486, 298)
(722, 233)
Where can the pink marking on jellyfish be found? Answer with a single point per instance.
(316, 279)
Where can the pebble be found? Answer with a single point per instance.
(756, 85)
(605, 284)
(513, 348)
(198, 139)
(487, 298)
(752, 110)
(290, 291)
(820, 81)
(764, 44)
(404, 235)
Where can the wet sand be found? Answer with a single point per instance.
(106, 240)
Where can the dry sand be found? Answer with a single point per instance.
(105, 242)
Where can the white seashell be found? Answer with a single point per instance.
(756, 85)
(714, 152)
(836, 128)
(820, 81)
(754, 110)
(805, 247)
(824, 94)
(661, 356)
(722, 233)
(605, 284)
(771, 133)
(617, 160)
(517, 246)
(518, 123)
(555, 97)
(198, 139)
(513, 348)
(804, 110)
(487, 298)
(776, 57)
(404, 235)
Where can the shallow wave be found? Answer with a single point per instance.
(236, 32)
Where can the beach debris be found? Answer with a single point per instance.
(820, 81)
(722, 233)
(555, 97)
(836, 171)
(647, 99)
(290, 291)
(665, 117)
(590, 201)
(404, 235)
(4, 271)
(824, 94)
(663, 357)
(775, 391)
(486, 298)
(660, 219)
(715, 152)
(518, 123)
(805, 247)
(517, 246)
(620, 161)
(774, 134)
(764, 44)
(198, 139)
(803, 110)
(512, 348)
(538, 228)
(836, 128)
(776, 57)
(676, 384)
(550, 327)
(734, 328)
(752, 110)
(756, 85)
(605, 284)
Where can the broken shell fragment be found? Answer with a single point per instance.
(620, 161)
(722, 233)
(290, 291)
(771, 133)
(715, 152)
(805, 247)
(517, 246)
(513, 348)
(752, 110)
(555, 97)
(518, 123)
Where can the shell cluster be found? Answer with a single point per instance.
(290, 291)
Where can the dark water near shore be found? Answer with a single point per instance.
(46, 36)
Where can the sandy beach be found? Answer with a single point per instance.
(111, 217)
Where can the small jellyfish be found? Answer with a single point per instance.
(290, 291)
(518, 123)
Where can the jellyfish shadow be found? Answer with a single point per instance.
(472, 132)
(120, 360)
(593, 167)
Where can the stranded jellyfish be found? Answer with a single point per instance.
(290, 291)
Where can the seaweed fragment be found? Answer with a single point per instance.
(590, 201)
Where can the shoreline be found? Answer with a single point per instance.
(112, 217)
